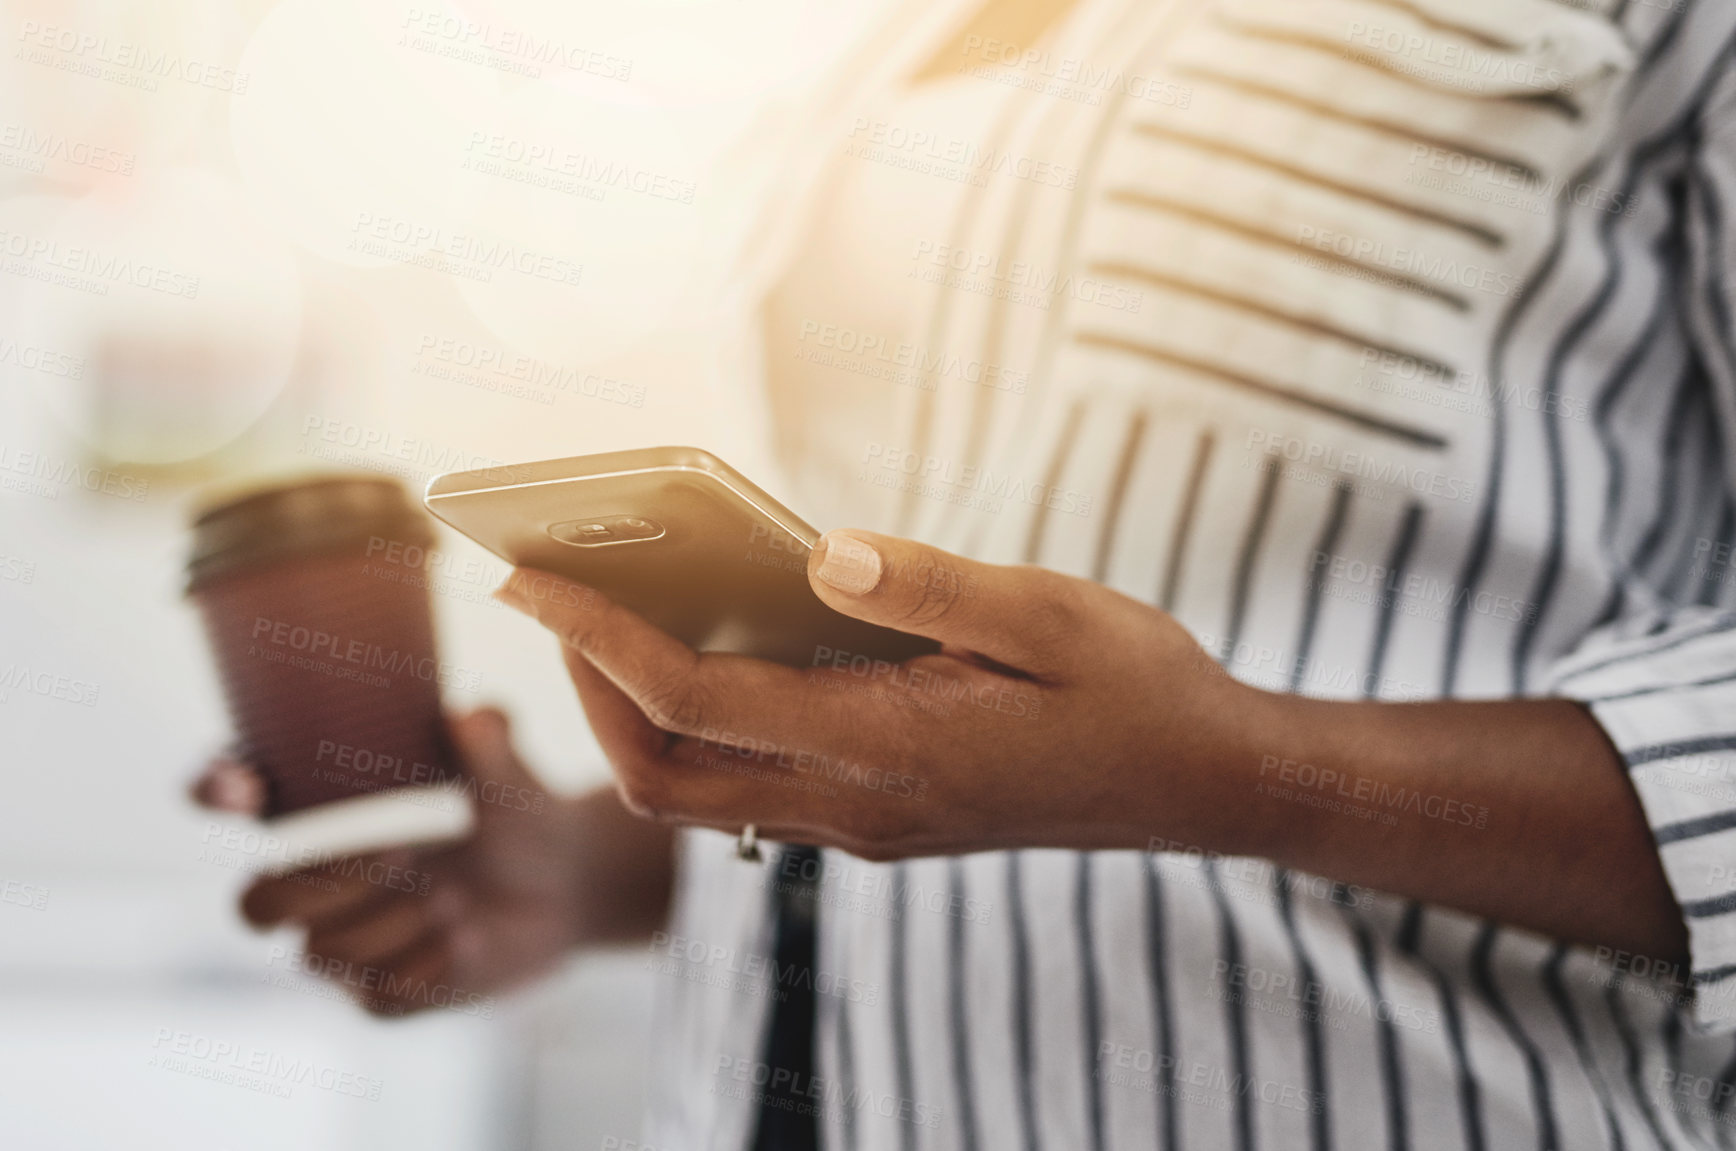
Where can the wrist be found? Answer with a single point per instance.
(1243, 730)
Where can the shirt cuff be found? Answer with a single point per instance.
(1667, 701)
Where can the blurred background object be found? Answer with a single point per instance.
(242, 239)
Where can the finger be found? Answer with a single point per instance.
(484, 739)
(389, 926)
(1023, 618)
(318, 892)
(630, 742)
(678, 689)
(663, 776)
(420, 978)
(622, 730)
(230, 785)
(653, 768)
(817, 799)
(485, 745)
(766, 834)
(862, 833)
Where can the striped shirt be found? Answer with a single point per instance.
(1388, 345)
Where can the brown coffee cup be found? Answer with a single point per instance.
(326, 652)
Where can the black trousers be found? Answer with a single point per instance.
(788, 1116)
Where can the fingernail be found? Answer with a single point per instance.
(848, 564)
(230, 789)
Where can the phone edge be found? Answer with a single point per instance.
(680, 458)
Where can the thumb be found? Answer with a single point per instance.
(229, 785)
(1014, 615)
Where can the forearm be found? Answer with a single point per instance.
(1517, 810)
(626, 870)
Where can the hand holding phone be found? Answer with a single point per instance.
(678, 536)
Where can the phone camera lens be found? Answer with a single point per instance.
(606, 530)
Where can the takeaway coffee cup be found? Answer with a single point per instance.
(325, 650)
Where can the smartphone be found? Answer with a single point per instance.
(676, 535)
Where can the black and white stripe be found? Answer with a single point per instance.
(1117, 1000)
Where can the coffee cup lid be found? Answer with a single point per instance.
(286, 519)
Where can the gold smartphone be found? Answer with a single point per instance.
(676, 535)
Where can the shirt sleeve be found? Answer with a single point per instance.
(1668, 703)
(1663, 682)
